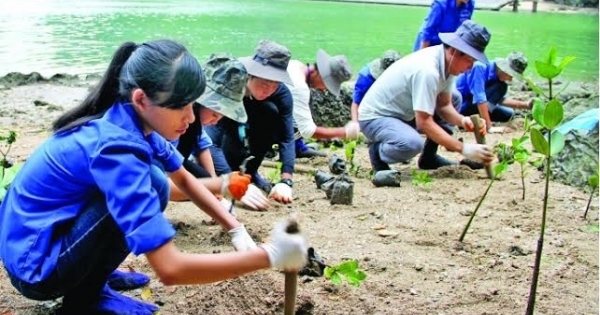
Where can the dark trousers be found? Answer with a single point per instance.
(93, 246)
(495, 93)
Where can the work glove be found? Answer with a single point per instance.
(234, 185)
(467, 124)
(228, 205)
(352, 130)
(241, 240)
(478, 152)
(281, 192)
(255, 199)
(286, 251)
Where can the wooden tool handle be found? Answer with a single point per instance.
(480, 138)
(291, 278)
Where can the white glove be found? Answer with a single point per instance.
(255, 199)
(281, 192)
(286, 251)
(241, 240)
(352, 129)
(228, 205)
(478, 152)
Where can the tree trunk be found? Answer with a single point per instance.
(515, 6)
(534, 7)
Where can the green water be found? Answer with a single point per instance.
(79, 36)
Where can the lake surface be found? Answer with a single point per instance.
(79, 36)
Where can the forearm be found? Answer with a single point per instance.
(449, 114)
(205, 159)
(204, 197)
(485, 114)
(174, 267)
(354, 112)
(514, 103)
(329, 133)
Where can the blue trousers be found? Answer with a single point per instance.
(495, 93)
(93, 246)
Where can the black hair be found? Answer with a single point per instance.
(167, 73)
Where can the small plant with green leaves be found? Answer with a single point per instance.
(593, 184)
(421, 178)
(7, 169)
(275, 173)
(348, 271)
(498, 170)
(548, 113)
(350, 149)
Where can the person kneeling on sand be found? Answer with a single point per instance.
(225, 88)
(415, 94)
(94, 192)
(484, 87)
(327, 73)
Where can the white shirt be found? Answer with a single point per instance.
(301, 95)
(408, 85)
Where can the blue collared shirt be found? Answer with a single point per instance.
(107, 158)
(443, 17)
(362, 85)
(471, 84)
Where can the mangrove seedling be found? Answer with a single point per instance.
(7, 168)
(421, 178)
(548, 114)
(593, 184)
(498, 170)
(348, 271)
(350, 149)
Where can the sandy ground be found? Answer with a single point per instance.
(415, 266)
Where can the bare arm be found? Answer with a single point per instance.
(212, 184)
(514, 103)
(205, 159)
(354, 111)
(329, 133)
(203, 197)
(432, 130)
(446, 111)
(175, 267)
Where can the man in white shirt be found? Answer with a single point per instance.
(327, 73)
(415, 94)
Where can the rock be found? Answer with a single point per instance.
(577, 160)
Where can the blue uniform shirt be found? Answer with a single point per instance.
(472, 84)
(362, 85)
(106, 158)
(444, 17)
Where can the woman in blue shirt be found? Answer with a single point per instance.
(92, 193)
(445, 16)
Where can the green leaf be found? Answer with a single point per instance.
(557, 143)
(328, 272)
(593, 181)
(565, 61)
(347, 266)
(9, 175)
(551, 57)
(500, 168)
(540, 144)
(546, 71)
(355, 278)
(336, 279)
(521, 157)
(535, 88)
(553, 114)
(539, 107)
(350, 147)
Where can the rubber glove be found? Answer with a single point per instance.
(286, 251)
(255, 199)
(241, 240)
(352, 130)
(478, 152)
(281, 192)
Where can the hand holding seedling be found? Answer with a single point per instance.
(468, 125)
(287, 249)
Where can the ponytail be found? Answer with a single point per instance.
(101, 97)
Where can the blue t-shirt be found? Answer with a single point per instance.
(362, 85)
(472, 84)
(106, 158)
(444, 17)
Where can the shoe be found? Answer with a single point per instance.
(310, 153)
(376, 162)
(428, 162)
(474, 165)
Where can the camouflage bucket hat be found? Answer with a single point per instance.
(377, 66)
(333, 70)
(225, 86)
(269, 62)
(514, 64)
